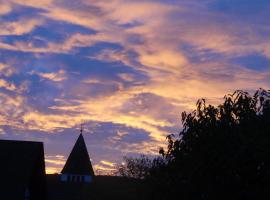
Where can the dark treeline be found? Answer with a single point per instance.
(222, 152)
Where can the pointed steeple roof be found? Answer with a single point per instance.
(78, 161)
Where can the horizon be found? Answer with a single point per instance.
(125, 69)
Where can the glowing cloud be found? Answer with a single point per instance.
(54, 76)
(128, 67)
(20, 27)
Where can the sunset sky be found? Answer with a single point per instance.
(126, 69)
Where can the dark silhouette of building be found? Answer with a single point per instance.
(22, 176)
(22, 170)
(76, 176)
(78, 167)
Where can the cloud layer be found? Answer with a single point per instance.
(124, 68)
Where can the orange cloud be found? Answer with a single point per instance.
(105, 168)
(157, 41)
(107, 163)
(54, 163)
(20, 27)
(6, 85)
(5, 9)
(6, 70)
(53, 76)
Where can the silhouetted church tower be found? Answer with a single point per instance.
(78, 167)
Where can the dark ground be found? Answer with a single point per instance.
(103, 187)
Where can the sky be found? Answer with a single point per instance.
(126, 69)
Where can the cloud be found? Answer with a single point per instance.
(48, 122)
(5, 9)
(7, 85)
(134, 70)
(35, 4)
(54, 163)
(105, 168)
(127, 77)
(19, 27)
(107, 163)
(11, 113)
(2, 132)
(53, 76)
(103, 111)
(142, 11)
(119, 136)
(6, 70)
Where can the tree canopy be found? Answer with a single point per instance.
(222, 152)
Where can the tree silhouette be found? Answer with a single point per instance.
(138, 168)
(222, 152)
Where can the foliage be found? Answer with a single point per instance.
(223, 152)
(139, 168)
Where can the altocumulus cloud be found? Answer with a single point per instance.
(125, 68)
